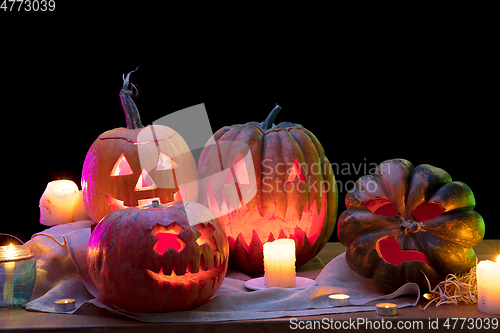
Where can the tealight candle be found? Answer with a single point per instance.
(65, 304)
(338, 299)
(61, 203)
(279, 263)
(386, 309)
(488, 287)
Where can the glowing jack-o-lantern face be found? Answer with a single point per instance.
(133, 166)
(403, 222)
(266, 182)
(158, 258)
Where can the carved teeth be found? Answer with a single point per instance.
(207, 257)
(298, 236)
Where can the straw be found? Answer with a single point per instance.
(455, 289)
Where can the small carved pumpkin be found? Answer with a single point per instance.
(133, 166)
(295, 195)
(403, 222)
(158, 258)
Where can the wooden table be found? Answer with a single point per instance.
(93, 319)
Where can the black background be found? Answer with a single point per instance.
(368, 96)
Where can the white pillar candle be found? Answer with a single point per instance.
(8, 287)
(279, 263)
(488, 287)
(61, 203)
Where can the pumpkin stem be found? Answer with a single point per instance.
(131, 113)
(414, 226)
(268, 123)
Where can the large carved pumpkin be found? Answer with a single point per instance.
(403, 222)
(158, 258)
(133, 166)
(266, 182)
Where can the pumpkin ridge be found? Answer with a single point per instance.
(463, 227)
(272, 151)
(256, 145)
(231, 134)
(293, 156)
(425, 180)
(312, 157)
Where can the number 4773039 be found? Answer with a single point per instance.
(28, 5)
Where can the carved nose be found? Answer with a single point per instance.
(145, 182)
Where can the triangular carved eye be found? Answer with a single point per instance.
(427, 211)
(121, 167)
(380, 206)
(145, 182)
(165, 162)
(296, 172)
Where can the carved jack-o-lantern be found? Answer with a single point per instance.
(158, 258)
(404, 222)
(135, 165)
(286, 189)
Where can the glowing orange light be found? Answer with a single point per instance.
(165, 162)
(339, 296)
(296, 172)
(10, 249)
(145, 182)
(121, 167)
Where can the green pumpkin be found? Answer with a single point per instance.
(403, 222)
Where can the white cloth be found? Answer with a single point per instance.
(62, 273)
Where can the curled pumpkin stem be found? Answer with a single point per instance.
(132, 116)
(126, 81)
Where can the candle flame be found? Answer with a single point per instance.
(498, 259)
(339, 296)
(10, 249)
(428, 296)
(63, 187)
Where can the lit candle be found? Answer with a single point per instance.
(8, 287)
(488, 287)
(17, 275)
(386, 309)
(61, 203)
(279, 263)
(65, 304)
(338, 299)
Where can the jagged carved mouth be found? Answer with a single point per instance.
(116, 204)
(188, 279)
(390, 251)
(240, 224)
